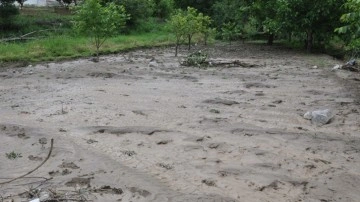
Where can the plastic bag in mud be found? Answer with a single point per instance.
(319, 117)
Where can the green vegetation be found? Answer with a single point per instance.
(13, 155)
(67, 47)
(39, 34)
(185, 24)
(99, 22)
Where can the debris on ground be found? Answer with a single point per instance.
(197, 58)
(319, 117)
(351, 65)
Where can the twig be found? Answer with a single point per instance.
(28, 173)
(6, 178)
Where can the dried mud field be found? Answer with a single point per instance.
(138, 126)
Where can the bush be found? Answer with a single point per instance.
(163, 8)
(138, 10)
(7, 14)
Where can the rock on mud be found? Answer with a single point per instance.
(319, 117)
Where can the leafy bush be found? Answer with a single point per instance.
(138, 10)
(197, 58)
(163, 8)
(7, 13)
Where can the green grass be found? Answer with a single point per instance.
(70, 47)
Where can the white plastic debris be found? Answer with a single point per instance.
(315, 67)
(336, 67)
(44, 196)
(35, 200)
(153, 64)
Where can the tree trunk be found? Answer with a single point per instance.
(270, 39)
(290, 36)
(189, 38)
(206, 35)
(176, 48)
(309, 40)
(97, 54)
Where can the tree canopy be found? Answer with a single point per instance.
(99, 22)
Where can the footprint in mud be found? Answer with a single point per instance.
(229, 172)
(220, 101)
(259, 93)
(58, 173)
(238, 92)
(14, 130)
(163, 142)
(142, 192)
(258, 85)
(35, 158)
(107, 190)
(79, 182)
(70, 165)
(139, 112)
(209, 182)
(213, 120)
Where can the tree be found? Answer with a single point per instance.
(203, 6)
(193, 24)
(99, 22)
(138, 9)
(204, 27)
(7, 13)
(21, 3)
(230, 32)
(185, 24)
(163, 8)
(314, 18)
(177, 24)
(351, 29)
(230, 11)
(265, 13)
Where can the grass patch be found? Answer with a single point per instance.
(69, 47)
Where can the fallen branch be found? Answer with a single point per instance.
(28, 173)
(232, 63)
(24, 37)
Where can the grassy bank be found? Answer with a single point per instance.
(67, 47)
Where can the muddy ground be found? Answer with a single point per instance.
(138, 126)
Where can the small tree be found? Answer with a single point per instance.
(99, 22)
(187, 24)
(205, 30)
(193, 24)
(230, 32)
(177, 25)
(21, 3)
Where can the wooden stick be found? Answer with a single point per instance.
(28, 173)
